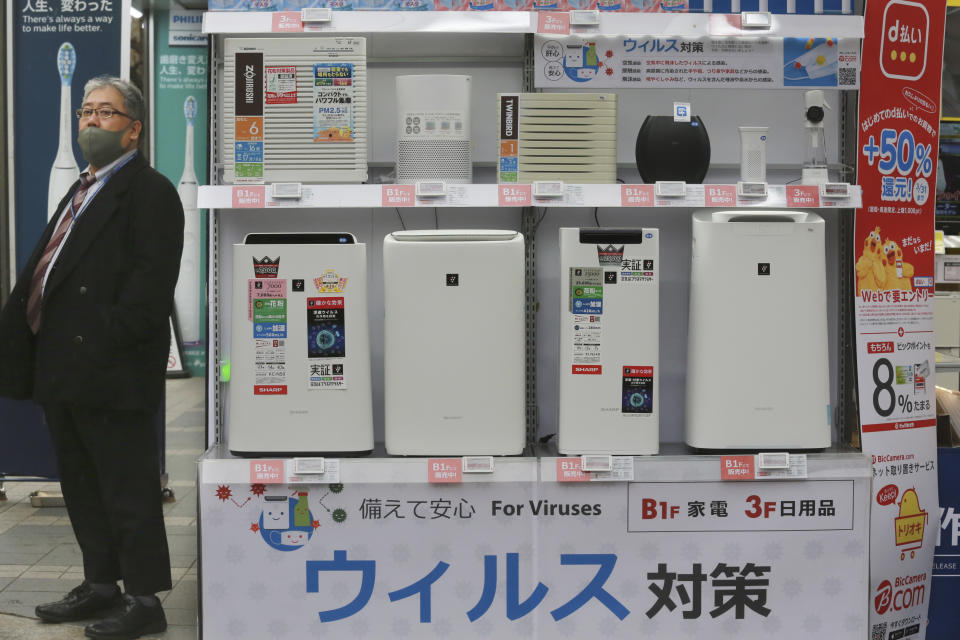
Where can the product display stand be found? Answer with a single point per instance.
(540, 545)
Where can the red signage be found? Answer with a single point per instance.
(588, 369)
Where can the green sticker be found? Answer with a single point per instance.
(270, 310)
(248, 169)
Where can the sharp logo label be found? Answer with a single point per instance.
(610, 254)
(906, 30)
(508, 115)
(266, 267)
(904, 593)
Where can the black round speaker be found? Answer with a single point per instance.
(669, 150)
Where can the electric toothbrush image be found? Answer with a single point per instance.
(187, 294)
(64, 171)
(810, 63)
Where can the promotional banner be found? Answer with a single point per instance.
(894, 252)
(641, 62)
(57, 47)
(389, 557)
(180, 153)
(945, 591)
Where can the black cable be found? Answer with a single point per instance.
(539, 220)
(436, 219)
(402, 224)
(595, 217)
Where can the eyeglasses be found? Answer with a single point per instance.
(104, 113)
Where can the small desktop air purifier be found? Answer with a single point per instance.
(673, 151)
(433, 129)
(753, 154)
(757, 366)
(294, 110)
(454, 347)
(609, 341)
(570, 137)
(300, 346)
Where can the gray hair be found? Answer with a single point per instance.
(132, 98)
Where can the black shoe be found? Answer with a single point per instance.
(81, 603)
(133, 621)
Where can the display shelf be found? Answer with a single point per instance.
(707, 468)
(491, 195)
(218, 465)
(687, 25)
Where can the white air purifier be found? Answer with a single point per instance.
(300, 346)
(571, 137)
(294, 110)
(433, 129)
(757, 366)
(454, 342)
(609, 341)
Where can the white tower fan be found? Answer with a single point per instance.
(454, 342)
(609, 341)
(300, 371)
(757, 362)
(433, 129)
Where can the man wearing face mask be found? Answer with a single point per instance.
(85, 333)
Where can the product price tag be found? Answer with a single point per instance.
(796, 469)
(636, 195)
(515, 195)
(569, 470)
(254, 197)
(737, 468)
(803, 196)
(266, 472)
(444, 470)
(287, 22)
(397, 195)
(304, 471)
(553, 23)
(622, 471)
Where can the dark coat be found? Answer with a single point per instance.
(104, 336)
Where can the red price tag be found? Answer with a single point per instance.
(266, 472)
(397, 195)
(568, 470)
(553, 22)
(515, 195)
(803, 196)
(737, 468)
(253, 197)
(720, 195)
(444, 470)
(636, 195)
(287, 22)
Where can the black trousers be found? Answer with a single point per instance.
(110, 478)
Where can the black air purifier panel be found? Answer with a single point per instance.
(669, 150)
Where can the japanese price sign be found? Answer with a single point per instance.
(403, 558)
(894, 252)
(636, 62)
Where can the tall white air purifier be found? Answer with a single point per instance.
(609, 341)
(454, 342)
(757, 366)
(433, 129)
(300, 347)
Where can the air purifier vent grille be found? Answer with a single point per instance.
(434, 160)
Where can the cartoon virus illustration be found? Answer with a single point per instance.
(336, 488)
(339, 515)
(258, 489)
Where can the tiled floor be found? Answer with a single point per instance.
(39, 557)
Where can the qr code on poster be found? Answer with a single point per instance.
(847, 78)
(879, 631)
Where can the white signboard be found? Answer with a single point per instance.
(186, 28)
(395, 559)
(645, 62)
